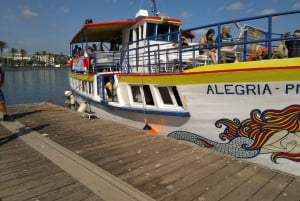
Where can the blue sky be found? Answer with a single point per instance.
(48, 25)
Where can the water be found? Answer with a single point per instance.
(33, 86)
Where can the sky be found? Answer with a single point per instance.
(49, 25)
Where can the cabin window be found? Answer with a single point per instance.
(165, 95)
(136, 94)
(130, 35)
(148, 95)
(142, 31)
(162, 31)
(174, 29)
(176, 94)
(137, 33)
(151, 29)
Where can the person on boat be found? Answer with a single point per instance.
(207, 41)
(101, 48)
(91, 57)
(293, 45)
(113, 45)
(6, 117)
(94, 46)
(111, 88)
(224, 37)
(297, 33)
(75, 51)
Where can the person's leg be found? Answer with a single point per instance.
(2, 103)
(6, 117)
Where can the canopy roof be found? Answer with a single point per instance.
(104, 31)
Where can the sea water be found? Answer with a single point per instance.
(35, 85)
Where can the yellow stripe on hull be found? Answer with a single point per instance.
(82, 77)
(258, 71)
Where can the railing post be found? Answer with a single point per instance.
(269, 37)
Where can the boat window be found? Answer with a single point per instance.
(174, 29)
(137, 33)
(177, 97)
(165, 95)
(142, 31)
(148, 95)
(162, 31)
(136, 94)
(151, 29)
(130, 36)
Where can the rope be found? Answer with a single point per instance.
(142, 74)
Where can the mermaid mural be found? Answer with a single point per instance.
(275, 132)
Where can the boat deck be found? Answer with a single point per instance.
(52, 153)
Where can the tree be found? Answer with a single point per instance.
(2, 46)
(38, 57)
(23, 53)
(13, 51)
(44, 53)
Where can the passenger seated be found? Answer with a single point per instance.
(224, 37)
(113, 45)
(207, 41)
(75, 51)
(281, 51)
(293, 45)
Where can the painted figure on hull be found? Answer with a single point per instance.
(275, 132)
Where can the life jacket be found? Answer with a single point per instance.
(256, 55)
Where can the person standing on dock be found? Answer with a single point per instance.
(6, 117)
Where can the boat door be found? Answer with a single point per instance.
(106, 87)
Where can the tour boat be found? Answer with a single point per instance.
(150, 73)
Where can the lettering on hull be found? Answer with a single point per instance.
(251, 89)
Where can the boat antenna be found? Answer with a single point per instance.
(154, 8)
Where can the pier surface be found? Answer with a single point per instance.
(52, 153)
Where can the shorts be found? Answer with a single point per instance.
(2, 99)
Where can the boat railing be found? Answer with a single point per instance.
(106, 61)
(258, 38)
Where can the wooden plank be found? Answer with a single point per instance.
(170, 182)
(247, 189)
(102, 183)
(28, 174)
(123, 155)
(159, 157)
(207, 183)
(226, 185)
(291, 192)
(273, 188)
(161, 167)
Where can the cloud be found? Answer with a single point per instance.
(267, 11)
(296, 5)
(111, 1)
(64, 9)
(185, 14)
(27, 13)
(235, 6)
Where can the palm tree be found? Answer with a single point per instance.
(23, 53)
(2, 46)
(13, 51)
(44, 53)
(38, 57)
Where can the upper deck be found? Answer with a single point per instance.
(158, 44)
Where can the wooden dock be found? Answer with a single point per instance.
(52, 153)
